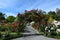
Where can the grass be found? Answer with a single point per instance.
(57, 37)
(10, 35)
(41, 33)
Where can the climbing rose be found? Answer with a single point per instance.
(15, 25)
(19, 14)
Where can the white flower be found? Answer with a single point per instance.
(58, 30)
(32, 23)
(52, 28)
(46, 28)
(3, 35)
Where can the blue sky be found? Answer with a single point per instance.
(12, 7)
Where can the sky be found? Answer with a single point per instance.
(12, 7)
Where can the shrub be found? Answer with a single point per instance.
(58, 34)
(21, 27)
(7, 27)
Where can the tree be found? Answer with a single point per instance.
(52, 14)
(58, 14)
(50, 19)
(2, 16)
(10, 19)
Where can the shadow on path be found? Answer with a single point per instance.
(30, 35)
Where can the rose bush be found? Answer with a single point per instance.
(7, 27)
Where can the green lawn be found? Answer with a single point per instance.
(10, 35)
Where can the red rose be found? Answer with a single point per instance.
(15, 26)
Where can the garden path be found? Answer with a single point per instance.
(30, 31)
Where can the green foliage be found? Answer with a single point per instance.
(7, 27)
(34, 15)
(2, 16)
(58, 14)
(52, 14)
(38, 16)
(20, 22)
(21, 27)
(10, 19)
(20, 18)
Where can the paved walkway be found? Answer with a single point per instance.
(34, 38)
(30, 30)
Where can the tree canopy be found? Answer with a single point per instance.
(2, 16)
(10, 19)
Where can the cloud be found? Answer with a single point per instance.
(7, 3)
(10, 14)
(33, 5)
(12, 7)
(49, 5)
